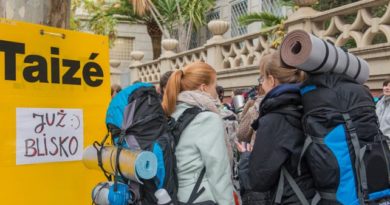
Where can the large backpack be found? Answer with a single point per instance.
(345, 149)
(136, 120)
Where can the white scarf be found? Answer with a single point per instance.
(200, 99)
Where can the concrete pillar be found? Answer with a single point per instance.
(169, 47)
(300, 19)
(136, 57)
(213, 46)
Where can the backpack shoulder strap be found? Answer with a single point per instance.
(177, 127)
(196, 192)
(280, 188)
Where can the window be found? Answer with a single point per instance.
(122, 48)
(272, 6)
(197, 37)
(194, 39)
(238, 9)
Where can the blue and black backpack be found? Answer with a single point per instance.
(346, 152)
(136, 121)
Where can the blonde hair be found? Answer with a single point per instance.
(271, 64)
(190, 78)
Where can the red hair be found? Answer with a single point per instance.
(190, 78)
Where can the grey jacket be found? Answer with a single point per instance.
(383, 112)
(202, 145)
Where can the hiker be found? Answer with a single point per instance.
(201, 144)
(246, 134)
(383, 109)
(249, 115)
(279, 136)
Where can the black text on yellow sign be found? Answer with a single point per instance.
(37, 71)
(45, 71)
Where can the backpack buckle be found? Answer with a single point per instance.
(171, 123)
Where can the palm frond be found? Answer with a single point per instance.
(289, 3)
(267, 18)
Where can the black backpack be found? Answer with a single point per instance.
(346, 152)
(135, 120)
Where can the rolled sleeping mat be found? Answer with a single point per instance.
(132, 164)
(307, 52)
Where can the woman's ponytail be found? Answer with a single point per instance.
(172, 90)
(189, 78)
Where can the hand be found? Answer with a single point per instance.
(244, 147)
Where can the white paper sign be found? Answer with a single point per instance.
(48, 135)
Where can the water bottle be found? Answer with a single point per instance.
(100, 193)
(163, 197)
(104, 194)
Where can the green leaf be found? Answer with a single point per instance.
(266, 18)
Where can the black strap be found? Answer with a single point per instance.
(118, 172)
(359, 68)
(294, 186)
(359, 165)
(385, 150)
(99, 148)
(316, 199)
(308, 141)
(196, 192)
(177, 127)
(279, 189)
(336, 59)
(306, 145)
(323, 195)
(325, 58)
(328, 195)
(347, 65)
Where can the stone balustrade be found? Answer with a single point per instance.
(363, 26)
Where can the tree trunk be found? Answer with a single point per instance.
(156, 44)
(2, 8)
(182, 30)
(59, 14)
(156, 35)
(48, 12)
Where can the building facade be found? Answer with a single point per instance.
(134, 37)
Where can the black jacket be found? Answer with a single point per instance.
(279, 142)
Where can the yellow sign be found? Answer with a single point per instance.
(55, 90)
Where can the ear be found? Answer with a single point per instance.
(203, 87)
(272, 80)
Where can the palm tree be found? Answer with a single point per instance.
(183, 15)
(154, 28)
(168, 18)
(273, 25)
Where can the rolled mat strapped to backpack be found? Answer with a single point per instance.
(307, 52)
(133, 165)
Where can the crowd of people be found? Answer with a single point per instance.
(243, 149)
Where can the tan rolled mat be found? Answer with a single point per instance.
(307, 52)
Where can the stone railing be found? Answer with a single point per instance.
(182, 59)
(361, 23)
(244, 50)
(363, 27)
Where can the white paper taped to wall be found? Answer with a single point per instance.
(48, 135)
